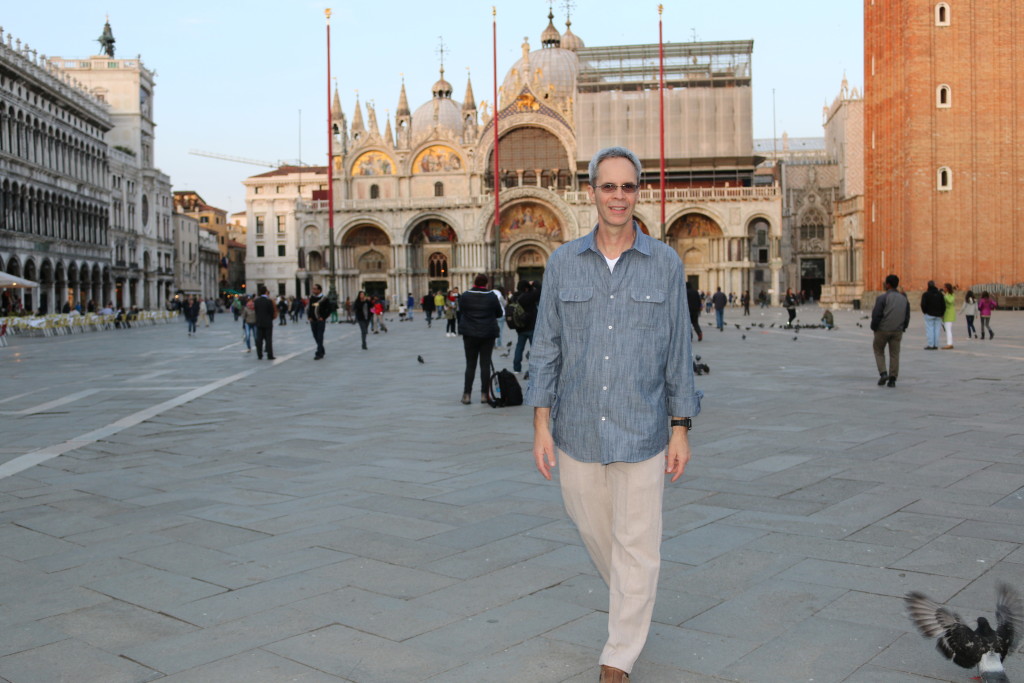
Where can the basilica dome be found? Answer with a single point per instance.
(570, 41)
(442, 109)
(549, 72)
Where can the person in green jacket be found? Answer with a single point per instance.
(950, 315)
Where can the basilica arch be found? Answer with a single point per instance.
(365, 259)
(526, 260)
(698, 239)
(531, 154)
(431, 254)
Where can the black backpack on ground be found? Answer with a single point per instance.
(504, 390)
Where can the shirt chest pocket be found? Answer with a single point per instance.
(575, 305)
(647, 309)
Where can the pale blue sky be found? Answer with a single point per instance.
(232, 77)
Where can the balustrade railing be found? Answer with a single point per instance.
(690, 194)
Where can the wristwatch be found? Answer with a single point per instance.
(683, 422)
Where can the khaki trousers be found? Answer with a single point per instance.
(617, 509)
(892, 339)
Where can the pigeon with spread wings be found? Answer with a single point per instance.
(982, 646)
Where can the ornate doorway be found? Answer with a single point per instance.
(528, 263)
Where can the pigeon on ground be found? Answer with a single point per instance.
(982, 646)
(509, 344)
(737, 326)
(420, 359)
(795, 338)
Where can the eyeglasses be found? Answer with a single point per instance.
(627, 188)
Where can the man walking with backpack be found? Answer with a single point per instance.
(521, 316)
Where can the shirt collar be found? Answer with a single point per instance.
(641, 242)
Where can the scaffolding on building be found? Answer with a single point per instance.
(687, 65)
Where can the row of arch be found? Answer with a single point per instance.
(425, 227)
(432, 158)
(27, 209)
(79, 281)
(39, 142)
(47, 270)
(74, 282)
(531, 154)
(690, 230)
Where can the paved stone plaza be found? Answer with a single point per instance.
(173, 509)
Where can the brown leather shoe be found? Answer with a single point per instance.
(609, 674)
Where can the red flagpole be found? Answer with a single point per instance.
(661, 117)
(330, 160)
(497, 178)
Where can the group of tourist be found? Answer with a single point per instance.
(890, 318)
(939, 309)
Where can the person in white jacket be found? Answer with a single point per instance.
(968, 311)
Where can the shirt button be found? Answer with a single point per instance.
(604, 388)
(610, 327)
(606, 357)
(648, 296)
(613, 296)
(603, 419)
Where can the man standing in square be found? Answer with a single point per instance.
(611, 382)
(719, 300)
(266, 311)
(318, 311)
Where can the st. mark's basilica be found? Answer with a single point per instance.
(414, 204)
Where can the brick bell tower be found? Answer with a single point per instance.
(944, 142)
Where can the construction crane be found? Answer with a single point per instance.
(243, 160)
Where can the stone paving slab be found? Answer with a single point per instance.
(173, 509)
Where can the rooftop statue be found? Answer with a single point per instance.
(106, 40)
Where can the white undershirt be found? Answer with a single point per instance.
(611, 262)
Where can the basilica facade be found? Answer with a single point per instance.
(414, 207)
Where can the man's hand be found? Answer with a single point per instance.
(678, 452)
(543, 442)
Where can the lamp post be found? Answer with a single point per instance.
(497, 179)
(333, 292)
(661, 119)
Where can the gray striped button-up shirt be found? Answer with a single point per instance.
(611, 350)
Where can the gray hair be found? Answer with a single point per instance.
(612, 153)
